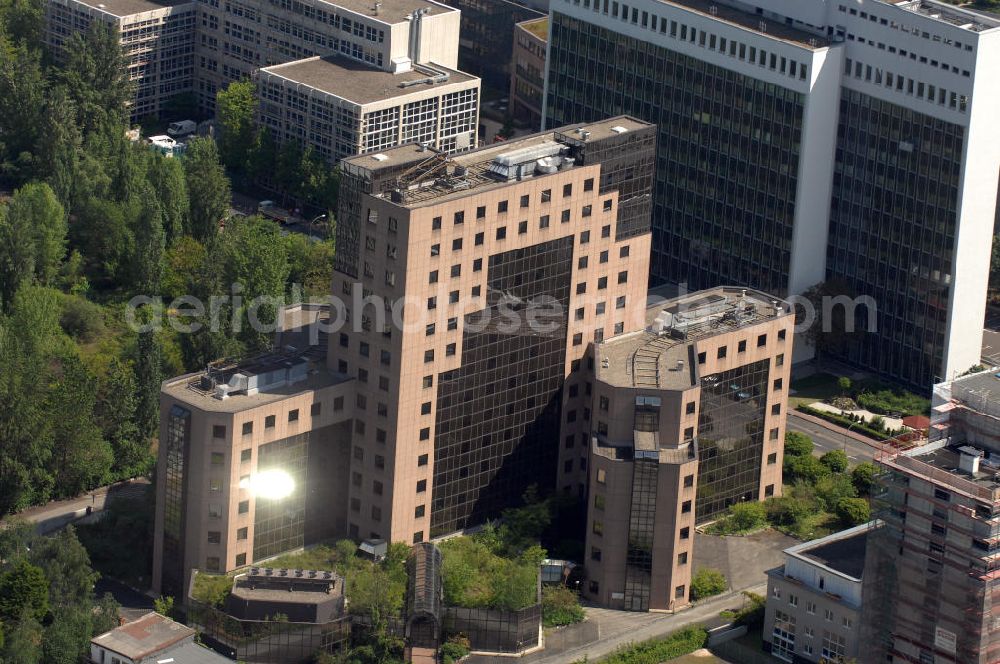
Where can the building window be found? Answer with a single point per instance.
(219, 431)
(595, 554)
(242, 534)
(598, 528)
(686, 507)
(315, 409)
(247, 428)
(241, 559)
(418, 537)
(741, 347)
(721, 353)
(212, 564)
(246, 455)
(421, 486)
(269, 422)
(685, 533)
(244, 507)
(293, 415)
(682, 558)
(422, 460)
(214, 537)
(218, 459)
(679, 592)
(761, 341)
(772, 458)
(689, 481)
(601, 476)
(599, 501)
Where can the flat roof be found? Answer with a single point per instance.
(360, 83)
(539, 27)
(661, 356)
(122, 8)
(392, 11)
(192, 653)
(754, 23)
(973, 19)
(429, 184)
(985, 385)
(947, 459)
(140, 638)
(185, 390)
(842, 552)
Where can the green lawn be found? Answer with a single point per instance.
(810, 389)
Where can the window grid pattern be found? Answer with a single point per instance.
(499, 412)
(714, 220)
(893, 221)
(642, 515)
(731, 437)
(178, 443)
(279, 524)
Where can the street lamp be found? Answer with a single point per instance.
(313, 222)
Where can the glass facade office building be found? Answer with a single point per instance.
(727, 151)
(178, 444)
(498, 415)
(730, 438)
(892, 233)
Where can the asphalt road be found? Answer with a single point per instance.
(825, 440)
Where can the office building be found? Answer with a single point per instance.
(509, 260)
(688, 419)
(342, 107)
(344, 77)
(810, 141)
(242, 36)
(487, 43)
(932, 577)
(527, 71)
(431, 418)
(157, 40)
(251, 464)
(813, 611)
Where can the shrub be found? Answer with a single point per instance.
(212, 589)
(844, 383)
(797, 444)
(454, 649)
(835, 460)
(560, 606)
(832, 489)
(476, 577)
(877, 423)
(807, 468)
(706, 583)
(854, 511)
(679, 643)
(841, 420)
(863, 476)
(748, 516)
(81, 319)
(890, 401)
(787, 510)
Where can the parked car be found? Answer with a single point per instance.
(182, 127)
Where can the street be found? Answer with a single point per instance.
(55, 515)
(825, 440)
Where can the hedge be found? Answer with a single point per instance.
(679, 643)
(842, 421)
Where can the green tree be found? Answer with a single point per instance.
(58, 147)
(255, 257)
(787, 510)
(23, 22)
(35, 206)
(807, 468)
(67, 639)
(167, 179)
(208, 188)
(560, 606)
(23, 642)
(106, 614)
(748, 516)
(235, 107)
(831, 489)
(864, 476)
(310, 264)
(164, 605)
(707, 582)
(17, 255)
(831, 329)
(854, 511)
(24, 591)
(288, 169)
(116, 414)
(844, 383)
(797, 444)
(95, 72)
(148, 377)
(81, 458)
(149, 247)
(67, 566)
(102, 231)
(835, 460)
(183, 264)
(22, 94)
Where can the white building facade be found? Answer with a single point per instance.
(804, 141)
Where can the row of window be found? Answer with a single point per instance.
(913, 30)
(692, 35)
(907, 85)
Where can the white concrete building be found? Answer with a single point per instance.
(814, 600)
(157, 38)
(810, 140)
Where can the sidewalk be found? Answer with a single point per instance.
(56, 514)
(615, 629)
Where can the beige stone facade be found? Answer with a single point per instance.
(689, 418)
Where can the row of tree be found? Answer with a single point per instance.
(47, 605)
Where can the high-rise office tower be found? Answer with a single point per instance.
(809, 141)
(932, 579)
(689, 419)
(471, 287)
(509, 260)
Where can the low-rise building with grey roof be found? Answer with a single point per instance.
(152, 638)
